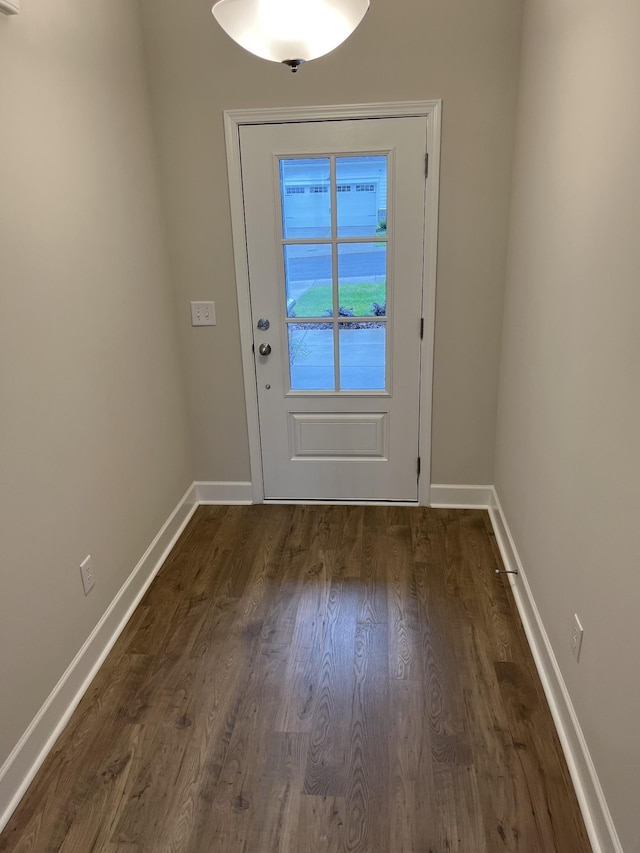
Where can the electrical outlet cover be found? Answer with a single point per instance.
(86, 573)
(577, 634)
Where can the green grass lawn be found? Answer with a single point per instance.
(359, 297)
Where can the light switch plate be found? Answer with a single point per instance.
(10, 7)
(203, 314)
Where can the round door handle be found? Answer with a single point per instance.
(264, 349)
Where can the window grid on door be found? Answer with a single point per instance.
(330, 243)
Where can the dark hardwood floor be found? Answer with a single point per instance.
(307, 679)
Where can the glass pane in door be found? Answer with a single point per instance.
(361, 194)
(305, 188)
(311, 359)
(362, 279)
(363, 356)
(308, 270)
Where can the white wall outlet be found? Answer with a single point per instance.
(576, 637)
(203, 314)
(86, 573)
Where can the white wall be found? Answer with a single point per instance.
(466, 53)
(94, 449)
(567, 458)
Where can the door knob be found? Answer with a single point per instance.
(264, 349)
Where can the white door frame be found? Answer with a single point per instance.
(233, 120)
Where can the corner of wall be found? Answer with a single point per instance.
(593, 805)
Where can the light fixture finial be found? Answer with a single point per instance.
(293, 64)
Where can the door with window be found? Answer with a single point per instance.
(335, 222)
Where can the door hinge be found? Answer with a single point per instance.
(418, 466)
(421, 328)
(426, 165)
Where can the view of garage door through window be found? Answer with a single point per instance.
(334, 238)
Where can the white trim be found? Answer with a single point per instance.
(232, 139)
(296, 502)
(233, 121)
(595, 811)
(461, 497)
(429, 301)
(25, 760)
(224, 493)
(281, 115)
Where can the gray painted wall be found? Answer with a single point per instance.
(567, 460)
(466, 53)
(94, 448)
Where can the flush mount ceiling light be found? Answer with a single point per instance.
(9, 7)
(289, 31)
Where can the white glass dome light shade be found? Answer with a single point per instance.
(289, 31)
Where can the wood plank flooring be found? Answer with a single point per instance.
(313, 679)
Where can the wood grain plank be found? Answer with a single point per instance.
(273, 825)
(367, 800)
(328, 756)
(412, 819)
(489, 600)
(405, 644)
(348, 551)
(459, 817)
(235, 797)
(309, 565)
(373, 574)
(539, 753)
(321, 823)
(500, 778)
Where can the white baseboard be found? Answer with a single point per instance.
(296, 502)
(18, 771)
(460, 497)
(595, 811)
(224, 493)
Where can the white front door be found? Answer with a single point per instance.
(335, 222)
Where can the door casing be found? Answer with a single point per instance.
(233, 120)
